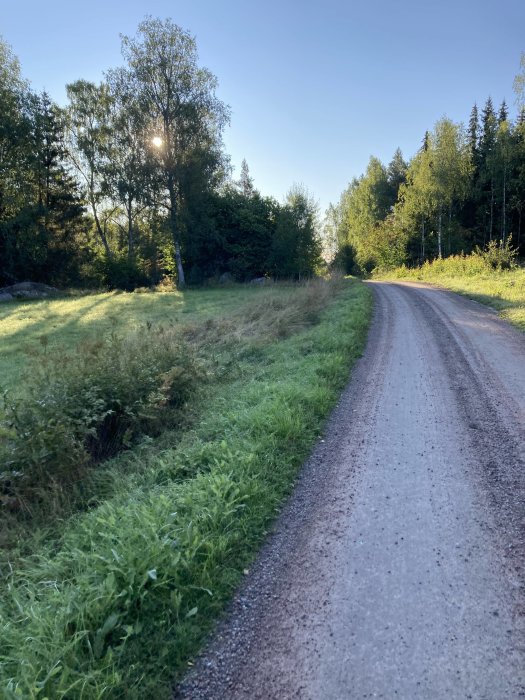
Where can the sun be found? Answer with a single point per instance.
(156, 141)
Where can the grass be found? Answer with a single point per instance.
(503, 290)
(113, 601)
(68, 321)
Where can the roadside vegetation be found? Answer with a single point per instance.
(463, 189)
(491, 277)
(110, 591)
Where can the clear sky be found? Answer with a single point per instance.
(315, 88)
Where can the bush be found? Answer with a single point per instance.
(82, 406)
(496, 255)
(499, 255)
(122, 273)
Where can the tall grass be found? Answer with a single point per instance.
(482, 276)
(117, 604)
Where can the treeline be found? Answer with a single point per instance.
(129, 182)
(464, 188)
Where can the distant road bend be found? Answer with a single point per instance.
(396, 568)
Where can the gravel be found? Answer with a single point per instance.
(396, 568)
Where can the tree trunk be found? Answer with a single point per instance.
(449, 230)
(130, 229)
(100, 231)
(491, 208)
(440, 254)
(181, 281)
(504, 216)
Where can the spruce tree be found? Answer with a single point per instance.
(59, 211)
(396, 175)
(473, 133)
(503, 114)
(245, 182)
(489, 126)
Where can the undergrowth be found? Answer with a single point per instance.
(492, 277)
(81, 406)
(117, 604)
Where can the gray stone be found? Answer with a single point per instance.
(261, 280)
(27, 290)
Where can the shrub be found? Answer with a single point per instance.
(166, 284)
(499, 255)
(82, 406)
(496, 255)
(120, 272)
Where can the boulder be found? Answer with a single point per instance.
(261, 280)
(226, 278)
(27, 290)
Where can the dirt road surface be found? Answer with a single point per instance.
(396, 568)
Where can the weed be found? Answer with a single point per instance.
(117, 604)
(83, 405)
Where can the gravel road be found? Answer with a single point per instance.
(396, 568)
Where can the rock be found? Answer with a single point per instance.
(261, 280)
(226, 278)
(27, 290)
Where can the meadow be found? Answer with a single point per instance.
(111, 591)
(66, 321)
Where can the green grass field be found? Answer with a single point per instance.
(503, 290)
(113, 599)
(67, 321)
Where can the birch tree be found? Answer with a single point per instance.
(89, 129)
(185, 115)
(451, 168)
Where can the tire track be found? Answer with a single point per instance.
(394, 570)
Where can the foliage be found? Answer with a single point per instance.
(41, 218)
(138, 580)
(296, 246)
(462, 190)
(475, 276)
(134, 168)
(121, 272)
(498, 255)
(82, 405)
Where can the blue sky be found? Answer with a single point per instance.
(315, 88)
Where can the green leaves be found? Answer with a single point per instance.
(99, 643)
(82, 406)
(123, 598)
